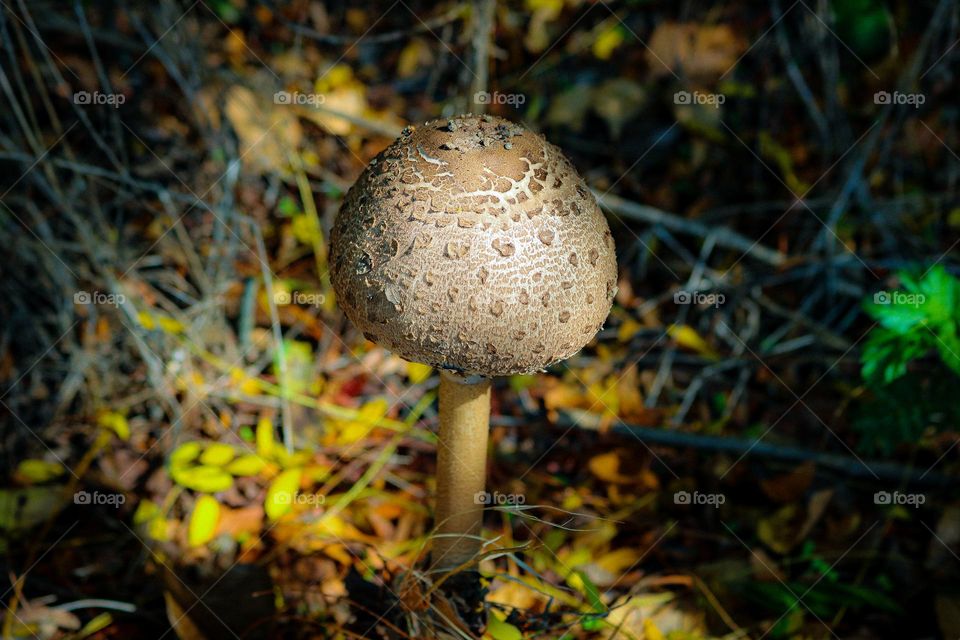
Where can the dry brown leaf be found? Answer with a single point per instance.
(789, 487)
(244, 520)
(764, 567)
(693, 50)
(268, 132)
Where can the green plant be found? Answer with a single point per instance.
(918, 321)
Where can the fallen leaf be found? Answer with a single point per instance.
(693, 50)
(789, 487)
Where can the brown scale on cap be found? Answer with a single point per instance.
(450, 232)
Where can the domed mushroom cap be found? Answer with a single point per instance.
(472, 244)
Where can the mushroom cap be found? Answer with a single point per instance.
(472, 244)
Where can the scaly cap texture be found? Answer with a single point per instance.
(472, 244)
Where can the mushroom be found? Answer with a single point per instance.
(471, 244)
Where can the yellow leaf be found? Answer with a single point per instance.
(247, 465)
(185, 454)
(650, 630)
(217, 454)
(204, 479)
(608, 40)
(146, 321)
(266, 443)
(146, 511)
(336, 76)
(417, 372)
(688, 338)
(116, 423)
(169, 325)
(37, 471)
(203, 521)
(281, 493)
(413, 56)
(306, 229)
(159, 529)
(500, 630)
(554, 6)
(149, 515)
(616, 562)
(606, 466)
(628, 329)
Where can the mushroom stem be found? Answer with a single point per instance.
(461, 468)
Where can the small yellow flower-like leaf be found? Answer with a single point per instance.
(116, 423)
(37, 471)
(204, 479)
(265, 439)
(246, 465)
(203, 521)
(217, 454)
(281, 493)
